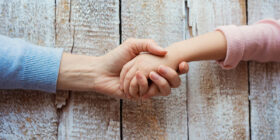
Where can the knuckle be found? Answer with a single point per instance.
(166, 93)
(143, 84)
(133, 84)
(144, 68)
(163, 83)
(173, 75)
(125, 67)
(126, 79)
(149, 44)
(128, 76)
(130, 40)
(177, 83)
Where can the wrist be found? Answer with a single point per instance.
(78, 72)
(210, 46)
(178, 53)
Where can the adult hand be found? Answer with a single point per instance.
(165, 79)
(170, 76)
(102, 74)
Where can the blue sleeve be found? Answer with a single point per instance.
(27, 66)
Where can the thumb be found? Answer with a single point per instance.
(146, 45)
(183, 67)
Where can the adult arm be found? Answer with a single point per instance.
(102, 74)
(27, 66)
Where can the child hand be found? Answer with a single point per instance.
(162, 81)
(137, 71)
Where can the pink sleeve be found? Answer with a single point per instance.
(259, 42)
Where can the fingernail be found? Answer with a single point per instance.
(154, 76)
(162, 70)
(184, 65)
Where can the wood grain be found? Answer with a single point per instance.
(28, 114)
(63, 39)
(217, 99)
(161, 117)
(88, 27)
(217, 105)
(264, 81)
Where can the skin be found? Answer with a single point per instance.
(210, 46)
(102, 74)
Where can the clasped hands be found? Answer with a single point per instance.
(128, 73)
(138, 68)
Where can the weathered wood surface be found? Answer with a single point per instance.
(217, 99)
(264, 81)
(63, 39)
(162, 117)
(88, 27)
(28, 114)
(217, 105)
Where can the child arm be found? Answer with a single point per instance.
(228, 45)
(258, 42)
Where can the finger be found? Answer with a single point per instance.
(128, 77)
(146, 45)
(152, 91)
(161, 83)
(170, 75)
(133, 88)
(183, 67)
(124, 71)
(142, 83)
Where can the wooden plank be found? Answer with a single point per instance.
(28, 114)
(261, 9)
(264, 81)
(92, 28)
(21, 19)
(217, 99)
(63, 39)
(161, 117)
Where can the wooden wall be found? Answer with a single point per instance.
(217, 99)
(264, 81)
(211, 103)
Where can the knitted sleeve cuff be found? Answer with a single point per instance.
(41, 68)
(235, 46)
